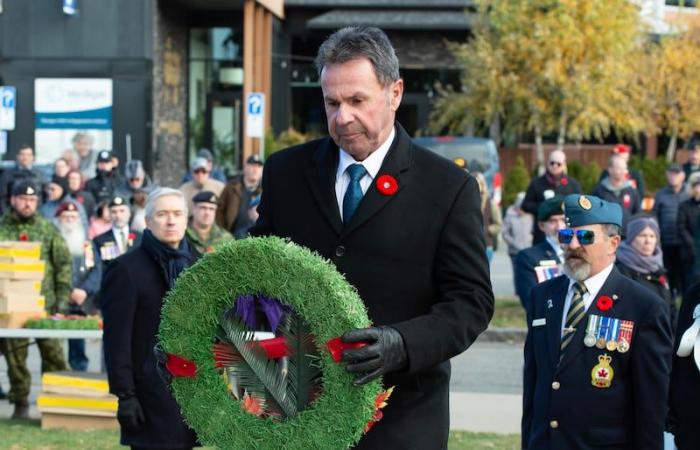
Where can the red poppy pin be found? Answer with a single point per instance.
(387, 185)
(604, 303)
(663, 280)
(23, 237)
(180, 367)
(627, 200)
(564, 181)
(132, 236)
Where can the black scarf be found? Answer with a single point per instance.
(172, 261)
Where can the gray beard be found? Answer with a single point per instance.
(74, 236)
(579, 273)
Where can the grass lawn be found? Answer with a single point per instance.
(21, 435)
(509, 314)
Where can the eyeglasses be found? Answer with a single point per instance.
(556, 163)
(585, 237)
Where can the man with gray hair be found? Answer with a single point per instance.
(401, 223)
(132, 294)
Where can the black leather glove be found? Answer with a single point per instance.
(129, 413)
(385, 352)
(161, 359)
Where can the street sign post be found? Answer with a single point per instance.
(8, 100)
(255, 123)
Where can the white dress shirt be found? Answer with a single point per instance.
(117, 232)
(372, 165)
(556, 246)
(593, 284)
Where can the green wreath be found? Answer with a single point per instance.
(191, 328)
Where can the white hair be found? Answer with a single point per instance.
(163, 192)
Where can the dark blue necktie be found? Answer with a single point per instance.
(354, 193)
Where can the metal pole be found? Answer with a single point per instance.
(128, 147)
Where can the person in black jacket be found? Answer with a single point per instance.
(618, 188)
(555, 181)
(131, 297)
(684, 397)
(689, 231)
(641, 259)
(23, 171)
(633, 175)
(105, 183)
(401, 223)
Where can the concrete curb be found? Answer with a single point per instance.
(496, 334)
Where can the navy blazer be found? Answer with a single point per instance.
(417, 258)
(561, 408)
(524, 268)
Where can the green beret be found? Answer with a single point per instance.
(583, 210)
(549, 208)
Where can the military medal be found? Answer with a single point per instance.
(591, 329)
(602, 373)
(611, 343)
(601, 340)
(625, 338)
(88, 255)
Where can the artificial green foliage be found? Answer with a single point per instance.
(328, 304)
(588, 175)
(517, 180)
(63, 324)
(304, 368)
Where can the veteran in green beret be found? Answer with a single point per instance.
(202, 232)
(23, 223)
(598, 349)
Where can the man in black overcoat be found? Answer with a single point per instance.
(132, 294)
(598, 349)
(402, 224)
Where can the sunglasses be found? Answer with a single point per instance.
(201, 171)
(585, 237)
(556, 163)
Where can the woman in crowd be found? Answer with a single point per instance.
(639, 257)
(101, 222)
(491, 215)
(78, 194)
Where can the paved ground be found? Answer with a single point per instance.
(486, 379)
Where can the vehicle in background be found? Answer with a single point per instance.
(471, 153)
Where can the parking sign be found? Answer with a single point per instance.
(8, 99)
(255, 122)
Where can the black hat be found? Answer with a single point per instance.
(254, 159)
(117, 201)
(674, 167)
(206, 154)
(25, 188)
(205, 197)
(104, 156)
(550, 207)
(60, 181)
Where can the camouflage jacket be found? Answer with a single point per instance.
(56, 285)
(217, 235)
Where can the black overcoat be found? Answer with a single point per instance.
(417, 259)
(561, 407)
(132, 294)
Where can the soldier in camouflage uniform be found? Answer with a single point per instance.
(23, 223)
(202, 232)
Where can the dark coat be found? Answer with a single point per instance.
(634, 175)
(534, 196)
(103, 186)
(630, 414)
(656, 282)
(666, 203)
(107, 239)
(131, 298)
(689, 229)
(684, 420)
(417, 259)
(524, 268)
(627, 198)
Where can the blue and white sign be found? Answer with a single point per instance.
(255, 117)
(68, 107)
(8, 101)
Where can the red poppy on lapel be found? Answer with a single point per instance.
(23, 237)
(387, 185)
(564, 181)
(663, 280)
(627, 201)
(604, 303)
(180, 367)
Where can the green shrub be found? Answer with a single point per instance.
(653, 171)
(586, 174)
(285, 139)
(516, 180)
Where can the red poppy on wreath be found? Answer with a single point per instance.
(564, 181)
(604, 303)
(387, 185)
(180, 367)
(23, 237)
(335, 346)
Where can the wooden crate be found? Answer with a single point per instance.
(26, 287)
(16, 268)
(18, 319)
(74, 421)
(20, 249)
(10, 303)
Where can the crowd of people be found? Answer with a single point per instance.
(87, 213)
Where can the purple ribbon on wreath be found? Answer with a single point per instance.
(271, 307)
